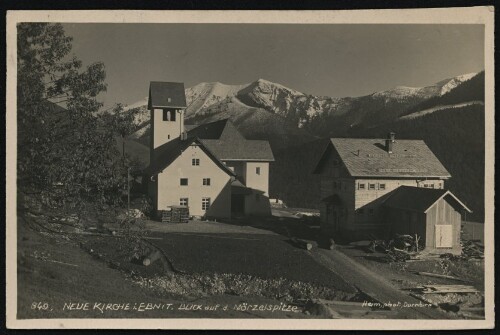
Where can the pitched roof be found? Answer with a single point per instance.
(418, 198)
(227, 143)
(166, 94)
(368, 158)
(168, 152)
(238, 188)
(212, 130)
(246, 150)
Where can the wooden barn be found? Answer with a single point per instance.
(433, 214)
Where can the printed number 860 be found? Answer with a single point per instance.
(41, 306)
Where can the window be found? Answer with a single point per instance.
(257, 170)
(195, 162)
(361, 186)
(360, 211)
(183, 201)
(381, 186)
(371, 186)
(371, 211)
(205, 203)
(168, 115)
(184, 181)
(206, 181)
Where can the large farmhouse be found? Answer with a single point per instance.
(373, 186)
(211, 168)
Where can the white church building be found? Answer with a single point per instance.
(211, 168)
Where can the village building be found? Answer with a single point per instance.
(212, 169)
(386, 187)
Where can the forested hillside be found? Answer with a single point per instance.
(291, 177)
(470, 90)
(455, 135)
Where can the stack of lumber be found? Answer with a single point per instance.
(175, 214)
(301, 243)
(443, 289)
(437, 275)
(472, 249)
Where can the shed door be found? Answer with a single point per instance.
(444, 236)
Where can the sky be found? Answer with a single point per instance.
(336, 60)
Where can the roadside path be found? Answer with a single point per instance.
(374, 285)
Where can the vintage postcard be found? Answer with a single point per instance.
(250, 169)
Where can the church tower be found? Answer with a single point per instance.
(167, 105)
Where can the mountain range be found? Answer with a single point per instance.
(266, 110)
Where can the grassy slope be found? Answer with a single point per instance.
(40, 280)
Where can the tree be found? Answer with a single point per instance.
(121, 122)
(65, 154)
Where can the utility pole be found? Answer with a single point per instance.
(128, 189)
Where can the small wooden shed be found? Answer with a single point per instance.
(435, 215)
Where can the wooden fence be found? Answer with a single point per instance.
(473, 231)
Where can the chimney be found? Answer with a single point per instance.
(389, 142)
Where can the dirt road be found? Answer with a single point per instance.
(374, 285)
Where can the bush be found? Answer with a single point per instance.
(134, 230)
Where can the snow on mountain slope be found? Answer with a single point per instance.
(437, 108)
(404, 92)
(209, 101)
(141, 115)
(454, 82)
(140, 103)
(438, 89)
(206, 94)
(273, 97)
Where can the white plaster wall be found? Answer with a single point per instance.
(258, 181)
(170, 191)
(165, 131)
(257, 204)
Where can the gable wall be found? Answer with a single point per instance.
(170, 191)
(442, 212)
(332, 165)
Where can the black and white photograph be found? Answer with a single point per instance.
(250, 170)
